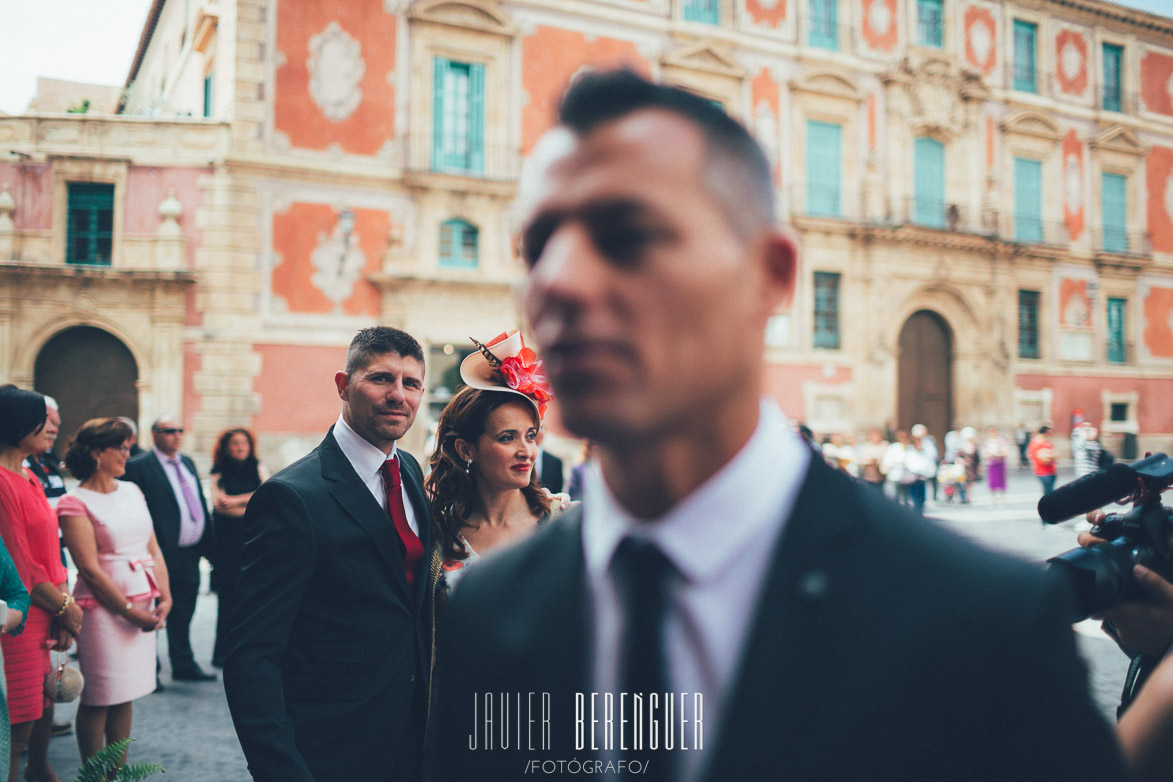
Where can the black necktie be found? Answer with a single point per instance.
(643, 573)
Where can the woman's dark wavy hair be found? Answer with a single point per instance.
(452, 491)
(22, 413)
(96, 434)
(220, 455)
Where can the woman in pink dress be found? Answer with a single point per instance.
(122, 584)
(30, 534)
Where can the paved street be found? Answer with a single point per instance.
(187, 728)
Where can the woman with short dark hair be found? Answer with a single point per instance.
(122, 584)
(30, 533)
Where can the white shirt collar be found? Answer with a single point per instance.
(163, 458)
(746, 501)
(365, 458)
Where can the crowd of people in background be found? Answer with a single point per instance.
(909, 467)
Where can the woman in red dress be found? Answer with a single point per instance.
(29, 530)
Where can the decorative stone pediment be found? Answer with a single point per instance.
(830, 82)
(706, 58)
(1119, 139)
(467, 14)
(933, 87)
(1032, 123)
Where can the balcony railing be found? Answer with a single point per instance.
(1121, 241)
(494, 161)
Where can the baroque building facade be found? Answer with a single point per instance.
(983, 192)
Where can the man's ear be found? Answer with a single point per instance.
(342, 382)
(780, 249)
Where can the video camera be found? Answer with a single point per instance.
(1102, 574)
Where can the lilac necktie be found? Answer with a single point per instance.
(193, 504)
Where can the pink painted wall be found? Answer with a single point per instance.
(296, 388)
(146, 188)
(785, 384)
(31, 188)
(1154, 413)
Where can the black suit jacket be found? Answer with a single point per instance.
(883, 648)
(329, 653)
(551, 476)
(146, 471)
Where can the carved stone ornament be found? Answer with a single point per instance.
(1073, 183)
(880, 17)
(336, 68)
(933, 90)
(338, 263)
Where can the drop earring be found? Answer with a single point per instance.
(467, 466)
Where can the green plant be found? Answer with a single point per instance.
(79, 108)
(107, 764)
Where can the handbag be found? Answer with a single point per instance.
(64, 682)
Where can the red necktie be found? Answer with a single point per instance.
(415, 549)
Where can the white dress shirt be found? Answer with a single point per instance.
(190, 530)
(367, 460)
(721, 539)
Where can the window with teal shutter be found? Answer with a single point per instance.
(1024, 56)
(928, 23)
(707, 11)
(929, 195)
(826, 310)
(90, 230)
(1028, 324)
(1114, 206)
(1113, 60)
(823, 151)
(458, 244)
(1117, 352)
(824, 31)
(208, 95)
(1028, 200)
(458, 117)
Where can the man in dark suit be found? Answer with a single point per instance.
(330, 648)
(549, 466)
(171, 484)
(760, 615)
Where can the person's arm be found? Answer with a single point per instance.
(83, 548)
(278, 562)
(162, 583)
(1145, 731)
(13, 593)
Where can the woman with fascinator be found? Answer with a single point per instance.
(483, 488)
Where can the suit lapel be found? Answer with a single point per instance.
(790, 654)
(356, 501)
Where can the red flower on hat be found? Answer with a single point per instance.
(523, 373)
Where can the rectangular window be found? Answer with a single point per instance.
(1024, 56)
(1113, 61)
(707, 11)
(928, 23)
(458, 244)
(1118, 411)
(823, 151)
(458, 117)
(1028, 324)
(929, 193)
(90, 235)
(1028, 200)
(826, 310)
(1117, 350)
(824, 28)
(208, 95)
(1114, 206)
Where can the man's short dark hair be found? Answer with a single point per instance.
(376, 341)
(1044, 429)
(22, 412)
(740, 177)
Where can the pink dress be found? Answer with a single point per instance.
(116, 658)
(30, 533)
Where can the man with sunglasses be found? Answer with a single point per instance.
(171, 484)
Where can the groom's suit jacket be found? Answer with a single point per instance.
(330, 653)
(883, 648)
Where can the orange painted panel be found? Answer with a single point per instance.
(1074, 304)
(1071, 62)
(765, 92)
(767, 13)
(1156, 82)
(785, 384)
(991, 129)
(981, 39)
(296, 388)
(1159, 181)
(871, 121)
(551, 57)
(303, 284)
(1073, 185)
(1157, 311)
(879, 24)
(360, 129)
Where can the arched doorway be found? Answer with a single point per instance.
(90, 373)
(924, 390)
